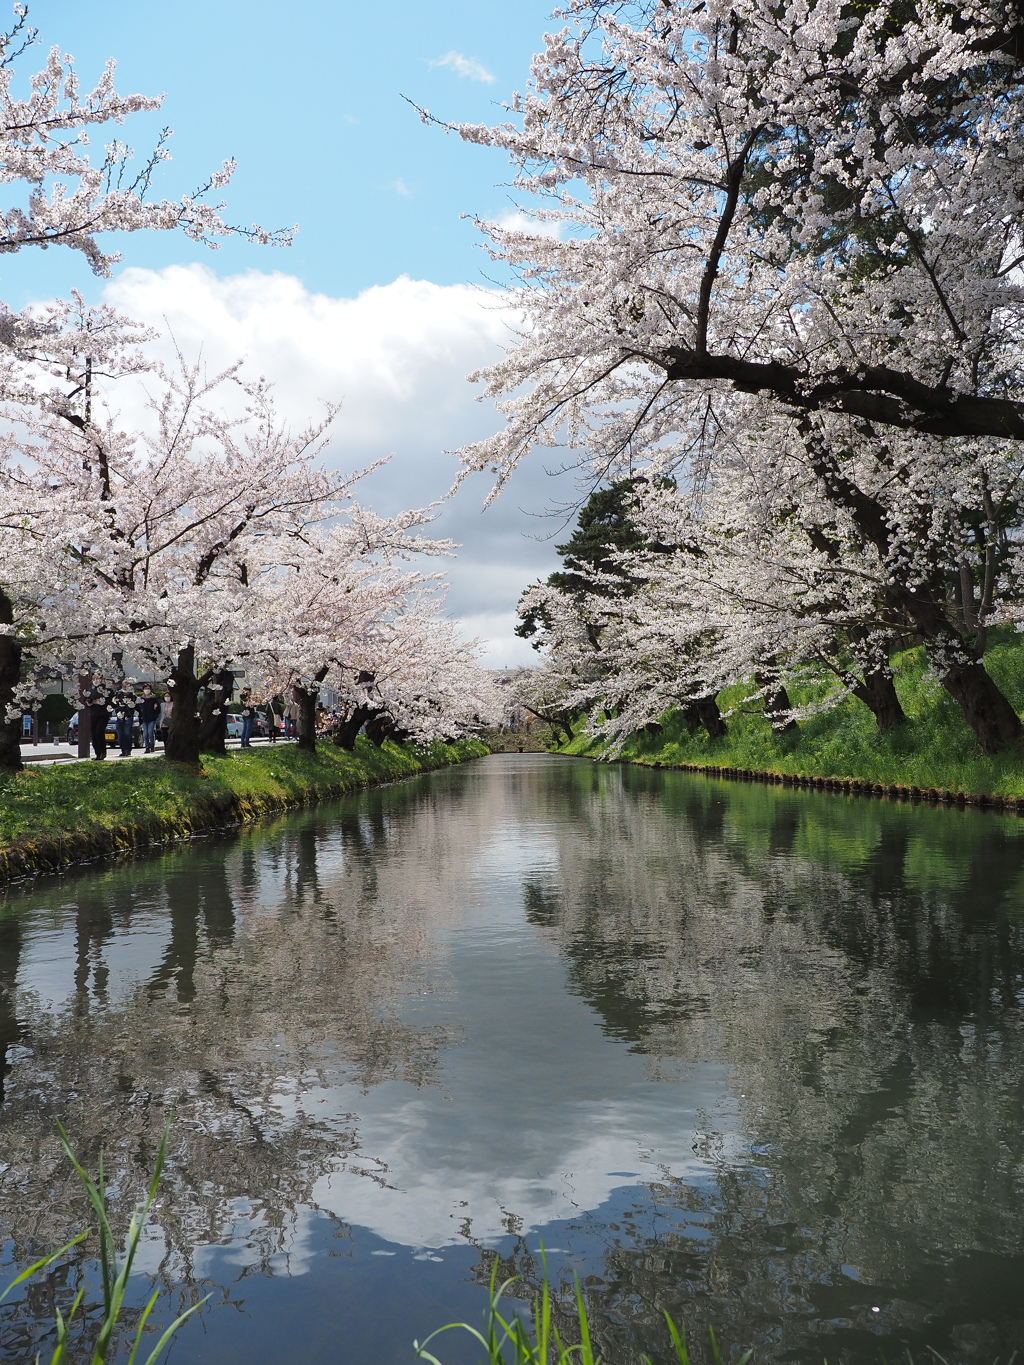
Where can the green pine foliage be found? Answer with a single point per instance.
(604, 529)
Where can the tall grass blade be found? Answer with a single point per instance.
(586, 1351)
(678, 1342)
(98, 1201)
(170, 1331)
(60, 1350)
(43, 1263)
(537, 1341)
(115, 1272)
(142, 1323)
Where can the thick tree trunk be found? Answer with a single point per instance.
(10, 676)
(345, 733)
(561, 728)
(379, 728)
(182, 744)
(213, 714)
(711, 717)
(777, 704)
(878, 693)
(986, 710)
(305, 699)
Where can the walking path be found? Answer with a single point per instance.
(46, 754)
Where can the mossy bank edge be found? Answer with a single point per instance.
(851, 786)
(52, 818)
(933, 756)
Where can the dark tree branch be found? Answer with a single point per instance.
(875, 392)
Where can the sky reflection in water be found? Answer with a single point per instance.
(749, 1054)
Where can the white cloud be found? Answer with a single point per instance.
(464, 66)
(522, 222)
(451, 1153)
(402, 188)
(437, 1188)
(395, 357)
(503, 648)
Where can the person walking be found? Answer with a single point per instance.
(99, 715)
(272, 714)
(149, 709)
(248, 718)
(125, 702)
(166, 711)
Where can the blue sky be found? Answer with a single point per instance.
(308, 98)
(374, 304)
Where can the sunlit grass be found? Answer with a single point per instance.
(935, 748)
(86, 799)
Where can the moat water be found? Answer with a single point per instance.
(751, 1055)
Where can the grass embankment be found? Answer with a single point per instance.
(55, 816)
(935, 752)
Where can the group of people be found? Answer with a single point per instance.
(123, 705)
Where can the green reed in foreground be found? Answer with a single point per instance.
(512, 1340)
(115, 1270)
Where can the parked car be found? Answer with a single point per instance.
(235, 725)
(72, 735)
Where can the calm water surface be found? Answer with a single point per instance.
(751, 1055)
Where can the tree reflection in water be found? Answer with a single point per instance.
(270, 983)
(859, 967)
(853, 968)
(10, 955)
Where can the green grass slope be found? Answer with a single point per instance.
(934, 749)
(56, 815)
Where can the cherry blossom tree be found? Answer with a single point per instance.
(794, 225)
(72, 200)
(50, 358)
(181, 518)
(567, 627)
(204, 540)
(408, 674)
(326, 605)
(427, 681)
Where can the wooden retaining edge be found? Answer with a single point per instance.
(850, 786)
(21, 861)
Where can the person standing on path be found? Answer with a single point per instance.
(272, 714)
(149, 713)
(248, 718)
(125, 702)
(99, 715)
(166, 711)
